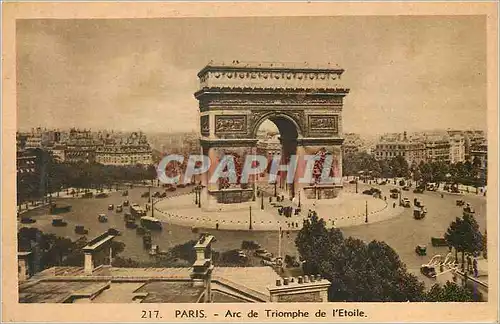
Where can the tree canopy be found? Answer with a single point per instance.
(357, 271)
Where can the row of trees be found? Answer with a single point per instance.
(50, 250)
(464, 236)
(361, 272)
(467, 173)
(51, 176)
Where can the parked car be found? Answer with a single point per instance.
(352, 182)
(394, 190)
(119, 208)
(131, 224)
(111, 207)
(394, 195)
(406, 202)
(418, 190)
(405, 188)
(421, 249)
(114, 231)
(27, 220)
(438, 241)
(59, 222)
(102, 195)
(102, 218)
(383, 183)
(126, 203)
(372, 191)
(428, 271)
(262, 253)
(80, 229)
(181, 185)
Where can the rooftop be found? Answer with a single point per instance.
(146, 285)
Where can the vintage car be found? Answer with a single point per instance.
(59, 209)
(102, 195)
(394, 195)
(59, 222)
(468, 210)
(428, 271)
(421, 249)
(460, 203)
(125, 193)
(419, 212)
(80, 229)
(438, 241)
(405, 188)
(126, 203)
(131, 224)
(394, 190)
(406, 203)
(102, 218)
(27, 220)
(119, 208)
(111, 207)
(114, 231)
(418, 190)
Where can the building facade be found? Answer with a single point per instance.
(131, 150)
(394, 145)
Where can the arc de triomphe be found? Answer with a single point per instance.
(305, 103)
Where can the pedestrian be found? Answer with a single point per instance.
(270, 199)
(217, 226)
(394, 205)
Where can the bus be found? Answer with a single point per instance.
(151, 223)
(137, 211)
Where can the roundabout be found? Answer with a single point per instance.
(348, 209)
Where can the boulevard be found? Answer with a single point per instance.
(401, 232)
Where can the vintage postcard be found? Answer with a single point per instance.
(250, 162)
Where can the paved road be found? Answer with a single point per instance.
(402, 233)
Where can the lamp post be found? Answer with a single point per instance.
(275, 183)
(199, 197)
(261, 201)
(299, 198)
(149, 197)
(356, 186)
(250, 226)
(366, 212)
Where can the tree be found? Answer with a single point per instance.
(451, 292)
(357, 271)
(463, 234)
(485, 245)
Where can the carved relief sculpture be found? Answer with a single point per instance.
(230, 124)
(205, 125)
(322, 123)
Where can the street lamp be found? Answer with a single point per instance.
(366, 212)
(299, 198)
(261, 201)
(250, 226)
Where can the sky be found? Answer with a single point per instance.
(406, 73)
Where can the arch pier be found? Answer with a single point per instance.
(305, 104)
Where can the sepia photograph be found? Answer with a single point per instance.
(253, 159)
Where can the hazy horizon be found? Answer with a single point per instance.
(406, 73)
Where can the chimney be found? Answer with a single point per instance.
(24, 265)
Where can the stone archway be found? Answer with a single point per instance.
(305, 103)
